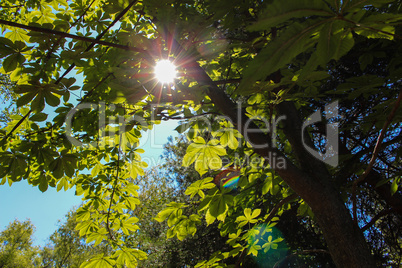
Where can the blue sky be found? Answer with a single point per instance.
(22, 201)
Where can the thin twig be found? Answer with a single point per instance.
(304, 252)
(114, 190)
(376, 218)
(189, 117)
(17, 125)
(375, 154)
(241, 257)
(227, 81)
(279, 205)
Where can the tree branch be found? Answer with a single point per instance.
(16, 126)
(272, 213)
(375, 154)
(16, 6)
(376, 218)
(72, 36)
(228, 81)
(241, 258)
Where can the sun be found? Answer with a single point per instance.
(165, 71)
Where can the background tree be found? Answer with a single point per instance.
(16, 249)
(7, 99)
(241, 69)
(160, 186)
(66, 248)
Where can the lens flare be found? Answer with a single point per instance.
(231, 183)
(165, 71)
(228, 178)
(272, 248)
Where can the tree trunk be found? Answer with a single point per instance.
(345, 240)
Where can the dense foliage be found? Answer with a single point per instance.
(300, 99)
(16, 249)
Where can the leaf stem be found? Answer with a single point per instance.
(113, 191)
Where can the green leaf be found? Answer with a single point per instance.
(271, 244)
(69, 164)
(96, 169)
(10, 63)
(281, 11)
(334, 42)
(365, 60)
(377, 31)
(249, 217)
(198, 187)
(281, 51)
(271, 184)
(351, 6)
(99, 261)
(254, 248)
(17, 34)
(51, 99)
(26, 98)
(6, 47)
(171, 211)
(43, 184)
(97, 237)
(56, 166)
(394, 186)
(125, 258)
(209, 219)
(63, 183)
(207, 200)
(38, 104)
(343, 44)
(39, 117)
(205, 155)
(129, 138)
(229, 137)
(218, 205)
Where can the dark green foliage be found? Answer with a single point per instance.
(16, 249)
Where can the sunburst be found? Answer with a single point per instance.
(165, 71)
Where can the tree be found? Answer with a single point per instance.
(16, 249)
(154, 237)
(252, 81)
(66, 248)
